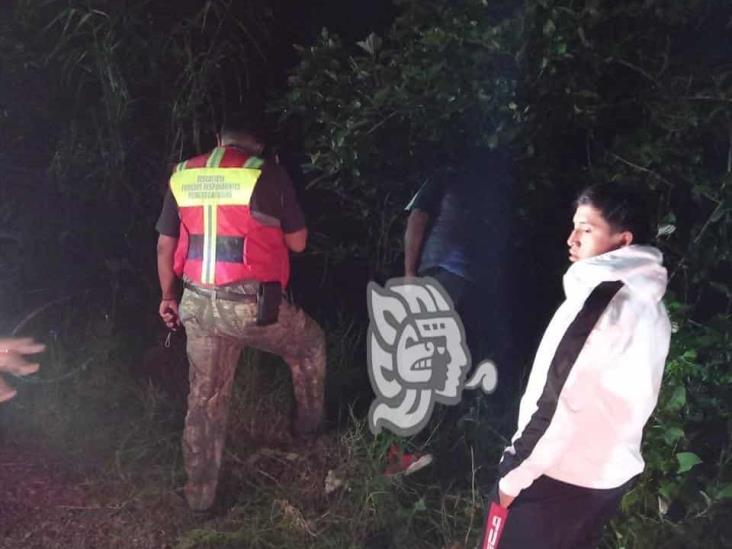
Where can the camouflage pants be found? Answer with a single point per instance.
(217, 330)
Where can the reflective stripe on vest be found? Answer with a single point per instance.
(209, 188)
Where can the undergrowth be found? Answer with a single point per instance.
(119, 428)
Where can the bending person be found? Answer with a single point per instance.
(227, 226)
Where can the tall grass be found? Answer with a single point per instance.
(85, 404)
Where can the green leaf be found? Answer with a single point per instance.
(687, 460)
(420, 505)
(667, 489)
(673, 434)
(678, 398)
(726, 492)
(689, 355)
(549, 27)
(371, 44)
(666, 229)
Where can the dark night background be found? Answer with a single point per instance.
(99, 98)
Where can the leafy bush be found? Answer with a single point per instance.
(99, 97)
(636, 91)
(100, 100)
(379, 116)
(684, 495)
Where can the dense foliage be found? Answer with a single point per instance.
(639, 92)
(99, 97)
(379, 116)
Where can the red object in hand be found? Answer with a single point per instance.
(494, 525)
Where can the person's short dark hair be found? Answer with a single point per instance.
(624, 208)
(245, 122)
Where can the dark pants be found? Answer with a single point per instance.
(462, 292)
(551, 514)
(485, 332)
(456, 426)
(486, 320)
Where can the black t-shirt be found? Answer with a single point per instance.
(273, 202)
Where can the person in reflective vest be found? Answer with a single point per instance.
(228, 223)
(213, 194)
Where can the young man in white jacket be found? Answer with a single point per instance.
(594, 382)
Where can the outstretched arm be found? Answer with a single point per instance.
(13, 362)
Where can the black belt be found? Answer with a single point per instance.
(248, 293)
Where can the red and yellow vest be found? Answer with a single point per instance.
(220, 242)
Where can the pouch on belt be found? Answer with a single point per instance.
(269, 297)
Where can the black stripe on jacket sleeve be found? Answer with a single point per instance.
(561, 365)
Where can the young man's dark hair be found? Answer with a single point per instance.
(625, 208)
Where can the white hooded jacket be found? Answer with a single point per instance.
(585, 425)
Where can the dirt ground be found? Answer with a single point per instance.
(45, 503)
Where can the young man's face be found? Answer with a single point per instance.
(592, 235)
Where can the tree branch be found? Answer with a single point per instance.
(641, 169)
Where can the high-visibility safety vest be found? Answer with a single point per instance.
(220, 242)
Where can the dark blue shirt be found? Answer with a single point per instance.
(469, 218)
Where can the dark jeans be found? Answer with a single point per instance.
(551, 514)
(487, 332)
(461, 291)
(474, 421)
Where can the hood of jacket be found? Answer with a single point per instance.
(639, 267)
